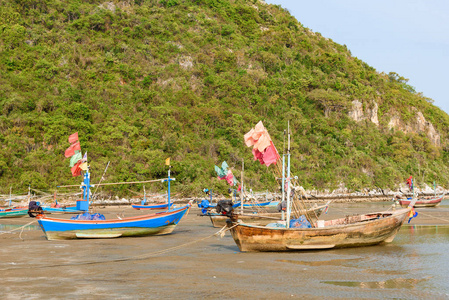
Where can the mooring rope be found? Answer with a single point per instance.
(19, 228)
(137, 257)
(445, 220)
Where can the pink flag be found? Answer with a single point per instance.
(71, 150)
(230, 178)
(73, 138)
(270, 155)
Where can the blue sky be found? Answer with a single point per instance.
(409, 37)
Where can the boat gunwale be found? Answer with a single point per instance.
(356, 224)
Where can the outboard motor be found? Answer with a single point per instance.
(34, 209)
(282, 206)
(225, 207)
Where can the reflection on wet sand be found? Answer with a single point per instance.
(397, 283)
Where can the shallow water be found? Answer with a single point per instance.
(413, 266)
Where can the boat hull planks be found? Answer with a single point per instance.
(370, 231)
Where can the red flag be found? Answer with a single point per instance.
(71, 150)
(76, 170)
(73, 138)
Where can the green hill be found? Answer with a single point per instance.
(145, 80)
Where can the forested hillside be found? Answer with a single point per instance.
(144, 80)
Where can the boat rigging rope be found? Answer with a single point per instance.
(137, 257)
(21, 228)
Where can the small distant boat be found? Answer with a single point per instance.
(423, 202)
(255, 204)
(152, 206)
(13, 212)
(66, 209)
(152, 224)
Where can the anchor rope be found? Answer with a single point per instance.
(445, 220)
(19, 228)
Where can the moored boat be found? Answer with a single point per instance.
(13, 212)
(362, 230)
(152, 206)
(423, 202)
(152, 224)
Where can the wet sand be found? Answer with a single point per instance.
(192, 263)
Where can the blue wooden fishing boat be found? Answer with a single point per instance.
(256, 204)
(145, 205)
(13, 212)
(152, 224)
(152, 206)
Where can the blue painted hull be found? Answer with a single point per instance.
(13, 212)
(152, 224)
(70, 209)
(252, 204)
(155, 206)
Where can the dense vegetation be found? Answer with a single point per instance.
(144, 80)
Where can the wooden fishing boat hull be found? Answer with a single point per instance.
(260, 219)
(152, 224)
(13, 212)
(155, 206)
(432, 202)
(372, 229)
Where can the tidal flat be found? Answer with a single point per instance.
(193, 263)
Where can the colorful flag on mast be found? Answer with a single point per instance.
(167, 161)
(263, 147)
(71, 150)
(76, 170)
(73, 138)
(75, 158)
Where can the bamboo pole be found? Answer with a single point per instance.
(114, 183)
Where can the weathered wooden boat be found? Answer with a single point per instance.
(13, 212)
(423, 202)
(353, 231)
(152, 224)
(259, 218)
(152, 206)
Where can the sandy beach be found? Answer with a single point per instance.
(192, 263)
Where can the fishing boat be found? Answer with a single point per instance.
(96, 226)
(153, 224)
(353, 231)
(423, 202)
(255, 204)
(151, 206)
(307, 232)
(13, 212)
(64, 210)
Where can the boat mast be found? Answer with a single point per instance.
(283, 178)
(288, 179)
(242, 190)
(168, 191)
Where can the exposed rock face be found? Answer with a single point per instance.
(418, 125)
(357, 113)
